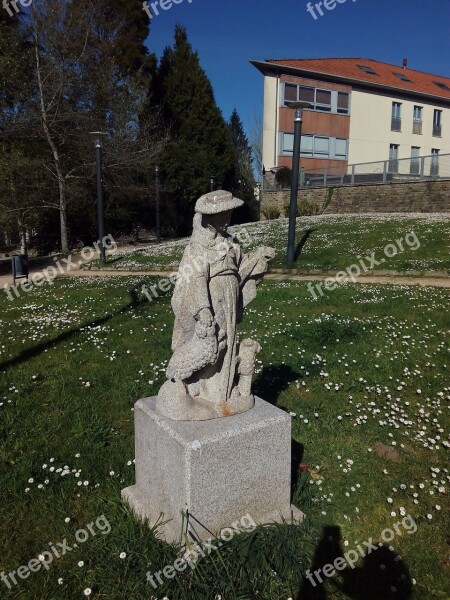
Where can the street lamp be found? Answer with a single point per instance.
(298, 120)
(158, 217)
(212, 183)
(98, 138)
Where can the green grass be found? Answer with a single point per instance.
(77, 355)
(334, 242)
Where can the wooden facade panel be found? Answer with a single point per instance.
(317, 123)
(339, 166)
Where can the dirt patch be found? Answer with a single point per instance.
(386, 452)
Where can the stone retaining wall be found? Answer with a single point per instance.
(420, 196)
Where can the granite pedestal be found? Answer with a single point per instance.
(218, 470)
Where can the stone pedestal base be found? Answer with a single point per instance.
(219, 470)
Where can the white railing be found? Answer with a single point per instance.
(423, 168)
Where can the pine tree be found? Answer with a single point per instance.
(129, 26)
(244, 183)
(201, 146)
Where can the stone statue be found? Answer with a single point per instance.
(209, 374)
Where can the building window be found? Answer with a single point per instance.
(341, 148)
(306, 94)
(290, 93)
(322, 146)
(434, 167)
(368, 70)
(307, 146)
(415, 161)
(316, 146)
(437, 123)
(393, 158)
(343, 102)
(396, 120)
(442, 86)
(417, 119)
(321, 100)
(402, 76)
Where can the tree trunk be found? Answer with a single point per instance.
(22, 237)
(56, 158)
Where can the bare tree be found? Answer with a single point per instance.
(75, 86)
(255, 135)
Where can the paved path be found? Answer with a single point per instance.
(442, 282)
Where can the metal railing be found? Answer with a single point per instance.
(423, 168)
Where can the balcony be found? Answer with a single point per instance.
(417, 127)
(434, 168)
(393, 165)
(414, 168)
(396, 124)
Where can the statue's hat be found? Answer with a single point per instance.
(217, 202)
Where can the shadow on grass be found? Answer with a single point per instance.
(382, 575)
(270, 383)
(29, 353)
(302, 242)
(273, 380)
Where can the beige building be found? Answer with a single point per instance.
(362, 111)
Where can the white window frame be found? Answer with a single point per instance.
(419, 110)
(313, 153)
(317, 106)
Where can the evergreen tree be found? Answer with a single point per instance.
(129, 26)
(244, 183)
(201, 146)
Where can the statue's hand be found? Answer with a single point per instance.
(264, 255)
(268, 252)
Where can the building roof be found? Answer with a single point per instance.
(375, 73)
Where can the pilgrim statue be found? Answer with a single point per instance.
(210, 372)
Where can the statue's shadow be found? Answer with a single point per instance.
(272, 381)
(269, 384)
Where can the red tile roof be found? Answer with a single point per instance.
(423, 83)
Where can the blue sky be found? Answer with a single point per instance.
(229, 33)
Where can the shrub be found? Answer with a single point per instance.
(271, 212)
(283, 177)
(304, 209)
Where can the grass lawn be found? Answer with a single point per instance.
(364, 370)
(331, 242)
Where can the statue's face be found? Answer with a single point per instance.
(220, 221)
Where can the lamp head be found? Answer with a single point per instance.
(98, 137)
(299, 107)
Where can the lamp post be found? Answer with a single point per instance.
(298, 120)
(158, 215)
(98, 137)
(212, 183)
